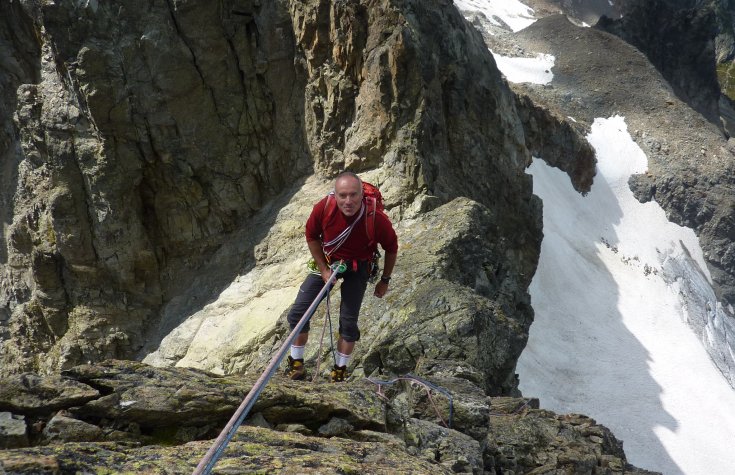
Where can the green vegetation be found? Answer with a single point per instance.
(726, 77)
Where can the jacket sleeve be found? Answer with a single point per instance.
(385, 234)
(314, 229)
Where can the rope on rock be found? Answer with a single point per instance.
(215, 452)
(426, 385)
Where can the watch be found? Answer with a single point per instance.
(385, 279)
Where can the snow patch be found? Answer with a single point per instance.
(614, 286)
(512, 13)
(526, 70)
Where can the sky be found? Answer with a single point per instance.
(611, 294)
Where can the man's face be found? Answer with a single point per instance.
(348, 193)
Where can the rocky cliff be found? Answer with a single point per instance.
(156, 130)
(678, 37)
(160, 159)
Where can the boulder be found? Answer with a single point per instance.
(13, 431)
(318, 426)
(470, 405)
(453, 299)
(140, 402)
(532, 440)
(33, 394)
(455, 451)
(62, 428)
(252, 450)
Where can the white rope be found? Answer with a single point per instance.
(339, 240)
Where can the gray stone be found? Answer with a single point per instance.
(62, 429)
(470, 405)
(143, 401)
(436, 312)
(298, 428)
(32, 394)
(336, 427)
(532, 439)
(13, 431)
(457, 452)
(252, 450)
(258, 420)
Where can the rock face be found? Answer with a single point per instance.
(142, 422)
(148, 137)
(143, 139)
(163, 157)
(678, 37)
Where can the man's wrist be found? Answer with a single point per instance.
(385, 279)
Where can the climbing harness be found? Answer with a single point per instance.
(215, 452)
(428, 386)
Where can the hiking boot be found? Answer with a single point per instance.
(339, 374)
(296, 369)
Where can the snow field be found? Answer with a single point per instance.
(615, 284)
(610, 339)
(513, 13)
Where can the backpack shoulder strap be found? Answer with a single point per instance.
(371, 209)
(330, 208)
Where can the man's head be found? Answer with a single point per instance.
(348, 193)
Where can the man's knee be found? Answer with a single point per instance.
(307, 293)
(349, 331)
(293, 319)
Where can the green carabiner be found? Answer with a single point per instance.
(339, 267)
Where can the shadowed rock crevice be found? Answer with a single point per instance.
(19, 64)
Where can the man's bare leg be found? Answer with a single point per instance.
(345, 347)
(301, 339)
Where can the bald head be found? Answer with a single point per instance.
(348, 193)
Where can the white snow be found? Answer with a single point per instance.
(532, 70)
(611, 295)
(513, 13)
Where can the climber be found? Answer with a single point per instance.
(349, 232)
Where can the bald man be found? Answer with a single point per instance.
(341, 236)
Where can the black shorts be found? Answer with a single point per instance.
(354, 283)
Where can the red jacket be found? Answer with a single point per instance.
(357, 244)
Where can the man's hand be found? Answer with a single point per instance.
(326, 274)
(380, 289)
